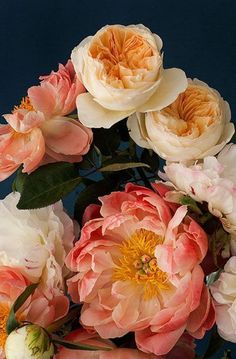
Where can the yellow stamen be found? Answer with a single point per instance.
(138, 264)
(4, 312)
(25, 105)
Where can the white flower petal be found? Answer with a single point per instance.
(134, 124)
(91, 114)
(173, 82)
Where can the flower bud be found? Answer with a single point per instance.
(29, 342)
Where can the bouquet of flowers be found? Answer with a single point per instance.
(147, 262)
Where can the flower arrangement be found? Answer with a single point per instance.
(147, 262)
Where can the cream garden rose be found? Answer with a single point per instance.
(121, 68)
(197, 124)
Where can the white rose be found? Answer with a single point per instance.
(121, 67)
(224, 294)
(35, 241)
(196, 125)
(29, 342)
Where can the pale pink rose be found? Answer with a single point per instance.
(224, 294)
(38, 131)
(212, 180)
(39, 308)
(57, 92)
(137, 269)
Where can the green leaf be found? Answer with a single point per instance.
(12, 322)
(48, 184)
(214, 345)
(91, 193)
(152, 159)
(122, 166)
(211, 278)
(19, 181)
(79, 346)
(186, 200)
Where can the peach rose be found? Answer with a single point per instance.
(38, 131)
(183, 349)
(39, 308)
(121, 68)
(57, 92)
(137, 269)
(197, 124)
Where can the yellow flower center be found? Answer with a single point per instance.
(193, 111)
(138, 264)
(24, 105)
(4, 312)
(123, 52)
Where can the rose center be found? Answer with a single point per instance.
(138, 264)
(123, 52)
(193, 111)
(24, 105)
(4, 312)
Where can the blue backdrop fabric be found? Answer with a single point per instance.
(199, 37)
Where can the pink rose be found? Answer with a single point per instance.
(138, 270)
(38, 131)
(39, 308)
(57, 93)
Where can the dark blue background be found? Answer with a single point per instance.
(199, 37)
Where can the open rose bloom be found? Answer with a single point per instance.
(121, 68)
(197, 124)
(38, 130)
(138, 270)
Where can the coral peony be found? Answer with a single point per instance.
(138, 270)
(38, 131)
(121, 67)
(197, 124)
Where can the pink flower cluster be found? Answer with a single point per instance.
(137, 269)
(38, 131)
